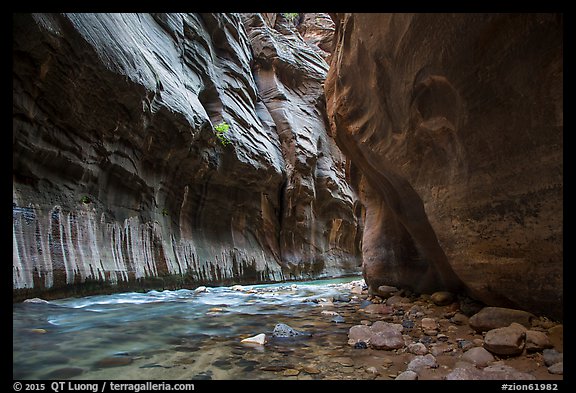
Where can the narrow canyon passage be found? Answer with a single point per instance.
(411, 156)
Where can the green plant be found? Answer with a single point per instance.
(291, 16)
(164, 212)
(221, 133)
(85, 200)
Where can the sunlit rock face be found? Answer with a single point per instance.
(120, 181)
(453, 123)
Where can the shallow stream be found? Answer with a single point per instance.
(187, 334)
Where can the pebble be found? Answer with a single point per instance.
(310, 370)
(283, 331)
(459, 319)
(378, 309)
(420, 362)
(338, 319)
(360, 345)
(386, 290)
(418, 349)
(465, 344)
(478, 356)
(291, 372)
(38, 331)
(259, 339)
(407, 375)
(552, 356)
(442, 298)
(373, 370)
(330, 313)
(343, 361)
(341, 298)
(556, 368)
(397, 300)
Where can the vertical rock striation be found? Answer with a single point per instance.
(119, 179)
(454, 124)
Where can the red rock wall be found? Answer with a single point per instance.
(455, 123)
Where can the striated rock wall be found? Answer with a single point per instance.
(453, 123)
(118, 177)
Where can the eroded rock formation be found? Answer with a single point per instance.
(454, 125)
(119, 177)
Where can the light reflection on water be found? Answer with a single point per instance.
(68, 337)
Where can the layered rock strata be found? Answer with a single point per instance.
(119, 178)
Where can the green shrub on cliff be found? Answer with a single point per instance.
(291, 16)
(221, 133)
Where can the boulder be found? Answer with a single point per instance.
(507, 341)
(496, 317)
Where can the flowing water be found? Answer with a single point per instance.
(186, 334)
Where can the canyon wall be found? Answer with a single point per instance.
(119, 178)
(454, 123)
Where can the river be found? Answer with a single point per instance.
(187, 334)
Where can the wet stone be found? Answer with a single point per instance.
(185, 348)
(360, 345)
(113, 362)
(281, 330)
(291, 372)
(338, 319)
(222, 364)
(207, 375)
(64, 373)
(407, 324)
(310, 370)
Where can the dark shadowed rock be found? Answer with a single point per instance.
(437, 142)
(442, 298)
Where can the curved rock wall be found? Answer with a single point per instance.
(119, 179)
(454, 122)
